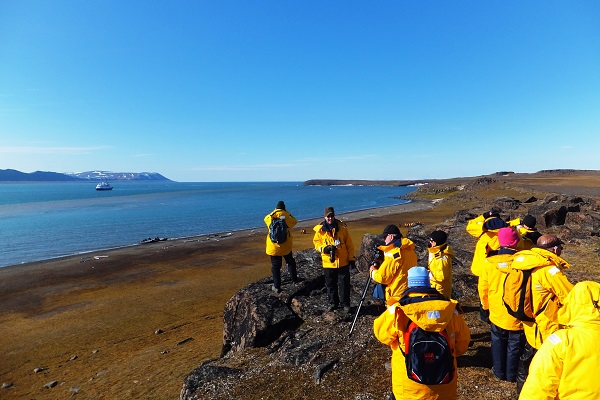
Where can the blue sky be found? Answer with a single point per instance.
(297, 90)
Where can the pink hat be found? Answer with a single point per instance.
(508, 237)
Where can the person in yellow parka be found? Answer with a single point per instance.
(550, 286)
(527, 231)
(333, 241)
(485, 229)
(279, 251)
(566, 364)
(431, 312)
(507, 337)
(398, 256)
(440, 262)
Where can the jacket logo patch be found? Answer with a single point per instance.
(435, 314)
(554, 339)
(553, 271)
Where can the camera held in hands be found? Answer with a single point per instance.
(332, 253)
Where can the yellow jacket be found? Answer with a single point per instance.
(525, 242)
(440, 268)
(566, 364)
(486, 242)
(491, 290)
(549, 286)
(274, 249)
(344, 252)
(431, 315)
(393, 270)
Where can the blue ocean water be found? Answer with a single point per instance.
(40, 221)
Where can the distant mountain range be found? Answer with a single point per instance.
(11, 175)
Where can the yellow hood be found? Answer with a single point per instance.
(430, 315)
(581, 305)
(528, 259)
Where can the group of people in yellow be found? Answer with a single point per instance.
(548, 352)
(550, 355)
(422, 296)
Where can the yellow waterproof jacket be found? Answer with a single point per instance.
(524, 243)
(549, 286)
(565, 367)
(486, 242)
(393, 270)
(440, 268)
(274, 249)
(491, 291)
(340, 238)
(431, 315)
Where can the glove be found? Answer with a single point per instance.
(484, 315)
(327, 249)
(352, 264)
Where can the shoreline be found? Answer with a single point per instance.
(133, 322)
(410, 205)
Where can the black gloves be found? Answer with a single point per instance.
(484, 315)
(327, 249)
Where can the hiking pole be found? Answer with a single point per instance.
(377, 259)
(360, 304)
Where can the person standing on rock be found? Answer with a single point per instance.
(549, 287)
(333, 241)
(398, 256)
(440, 257)
(485, 229)
(423, 307)
(283, 249)
(507, 337)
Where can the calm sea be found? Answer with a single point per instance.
(40, 221)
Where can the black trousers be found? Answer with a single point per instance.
(338, 278)
(524, 363)
(276, 264)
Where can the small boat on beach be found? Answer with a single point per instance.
(103, 186)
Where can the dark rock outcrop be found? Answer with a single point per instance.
(269, 337)
(294, 330)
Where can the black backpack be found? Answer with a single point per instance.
(428, 355)
(278, 231)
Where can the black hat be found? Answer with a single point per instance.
(329, 210)
(439, 237)
(529, 220)
(494, 223)
(280, 205)
(390, 230)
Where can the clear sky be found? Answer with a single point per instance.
(280, 90)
